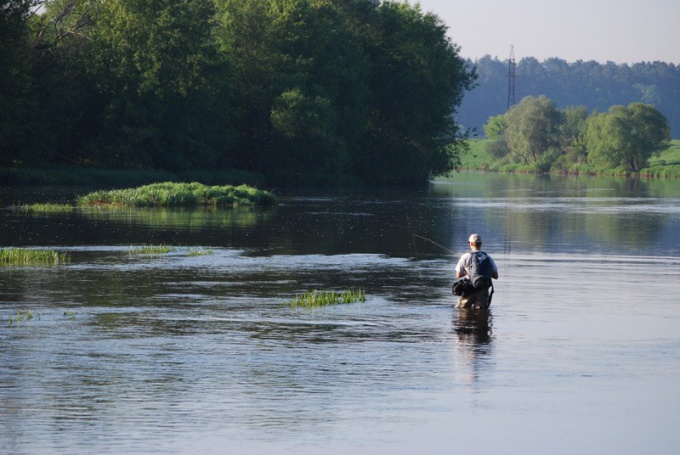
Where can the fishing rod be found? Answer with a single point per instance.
(435, 243)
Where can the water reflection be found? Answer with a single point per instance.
(473, 331)
(158, 354)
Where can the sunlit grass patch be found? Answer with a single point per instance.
(171, 194)
(25, 256)
(150, 249)
(315, 299)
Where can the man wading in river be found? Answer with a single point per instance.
(474, 272)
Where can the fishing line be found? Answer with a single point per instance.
(434, 243)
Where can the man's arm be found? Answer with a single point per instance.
(460, 266)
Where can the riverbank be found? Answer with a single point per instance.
(664, 165)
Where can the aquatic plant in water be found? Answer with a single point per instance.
(200, 252)
(171, 194)
(26, 256)
(315, 299)
(21, 316)
(150, 249)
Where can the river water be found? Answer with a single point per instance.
(200, 353)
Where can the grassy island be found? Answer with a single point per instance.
(171, 194)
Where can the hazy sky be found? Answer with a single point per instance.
(621, 31)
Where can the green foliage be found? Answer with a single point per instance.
(478, 156)
(20, 316)
(494, 128)
(306, 91)
(627, 136)
(532, 129)
(316, 299)
(596, 86)
(44, 208)
(171, 194)
(24, 256)
(417, 79)
(664, 165)
(150, 249)
(18, 110)
(542, 138)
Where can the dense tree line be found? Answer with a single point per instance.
(594, 85)
(543, 137)
(319, 90)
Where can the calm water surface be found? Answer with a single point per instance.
(179, 354)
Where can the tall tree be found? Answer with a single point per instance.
(151, 60)
(17, 99)
(417, 82)
(627, 136)
(532, 128)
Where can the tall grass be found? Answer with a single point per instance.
(170, 194)
(24, 256)
(316, 299)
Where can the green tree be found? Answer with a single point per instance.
(327, 87)
(17, 98)
(495, 127)
(532, 131)
(152, 60)
(627, 136)
(494, 130)
(302, 91)
(417, 82)
(573, 132)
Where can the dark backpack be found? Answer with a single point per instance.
(480, 269)
(463, 287)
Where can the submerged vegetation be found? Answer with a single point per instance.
(170, 194)
(24, 256)
(316, 299)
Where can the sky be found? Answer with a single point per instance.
(620, 31)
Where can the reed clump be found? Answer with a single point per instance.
(171, 194)
(316, 299)
(26, 256)
(150, 249)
